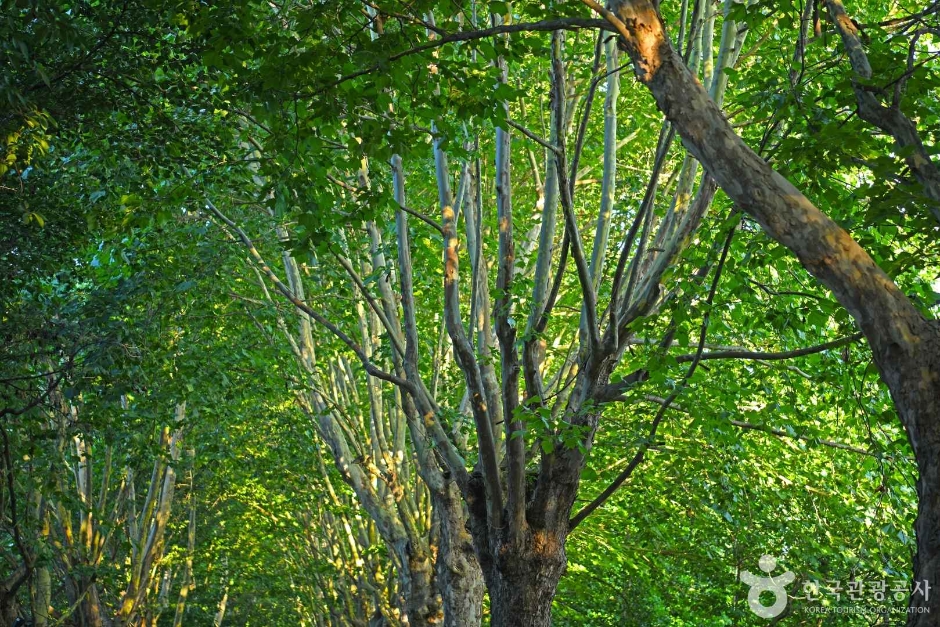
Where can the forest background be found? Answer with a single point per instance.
(382, 313)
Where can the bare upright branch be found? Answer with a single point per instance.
(463, 351)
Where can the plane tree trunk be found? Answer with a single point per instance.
(458, 574)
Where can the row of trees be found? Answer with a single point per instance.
(395, 314)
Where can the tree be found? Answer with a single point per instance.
(905, 343)
(521, 549)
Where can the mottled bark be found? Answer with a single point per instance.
(459, 578)
(422, 602)
(523, 584)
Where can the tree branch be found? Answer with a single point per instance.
(773, 356)
(463, 351)
(538, 140)
(386, 322)
(657, 419)
(370, 367)
(780, 433)
(891, 120)
(506, 332)
(568, 23)
(571, 225)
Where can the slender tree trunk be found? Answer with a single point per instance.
(41, 583)
(41, 596)
(91, 607)
(220, 614)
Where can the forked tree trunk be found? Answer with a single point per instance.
(522, 571)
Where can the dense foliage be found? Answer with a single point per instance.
(228, 398)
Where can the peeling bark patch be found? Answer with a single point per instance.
(544, 543)
(646, 44)
(846, 24)
(928, 378)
